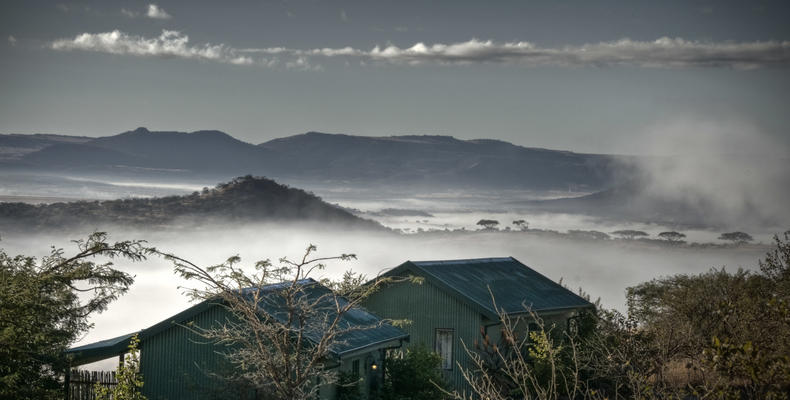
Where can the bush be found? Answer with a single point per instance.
(415, 375)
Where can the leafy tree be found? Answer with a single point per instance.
(45, 305)
(630, 234)
(488, 223)
(726, 334)
(736, 237)
(414, 375)
(128, 375)
(734, 324)
(672, 236)
(285, 353)
(521, 224)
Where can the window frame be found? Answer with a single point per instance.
(451, 331)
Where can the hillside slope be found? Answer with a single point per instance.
(242, 200)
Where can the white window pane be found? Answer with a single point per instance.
(444, 347)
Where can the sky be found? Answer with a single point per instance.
(587, 76)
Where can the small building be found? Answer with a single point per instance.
(177, 363)
(454, 303)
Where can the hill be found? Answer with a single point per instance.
(15, 146)
(442, 160)
(429, 161)
(245, 199)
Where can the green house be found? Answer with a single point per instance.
(178, 364)
(454, 303)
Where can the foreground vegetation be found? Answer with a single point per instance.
(716, 335)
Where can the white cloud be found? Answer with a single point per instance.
(12, 40)
(154, 11)
(661, 53)
(168, 44)
(129, 13)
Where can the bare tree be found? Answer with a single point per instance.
(283, 325)
(498, 371)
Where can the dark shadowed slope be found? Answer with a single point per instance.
(242, 200)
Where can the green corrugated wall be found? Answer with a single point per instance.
(176, 364)
(429, 308)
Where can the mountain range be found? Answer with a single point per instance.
(430, 161)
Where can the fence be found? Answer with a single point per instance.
(81, 383)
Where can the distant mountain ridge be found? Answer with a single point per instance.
(314, 156)
(243, 200)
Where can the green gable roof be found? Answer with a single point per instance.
(513, 284)
(100, 350)
(365, 329)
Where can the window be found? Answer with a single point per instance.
(355, 368)
(444, 347)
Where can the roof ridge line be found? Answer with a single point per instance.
(464, 260)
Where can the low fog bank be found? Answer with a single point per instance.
(722, 172)
(602, 269)
(31, 187)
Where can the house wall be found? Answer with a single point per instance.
(177, 364)
(429, 308)
(554, 322)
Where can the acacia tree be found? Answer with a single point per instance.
(736, 237)
(672, 236)
(521, 224)
(45, 305)
(630, 233)
(488, 223)
(283, 325)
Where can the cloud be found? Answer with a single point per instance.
(661, 53)
(129, 13)
(12, 40)
(343, 16)
(725, 172)
(168, 44)
(157, 13)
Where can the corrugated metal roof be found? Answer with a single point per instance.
(101, 350)
(364, 328)
(513, 284)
